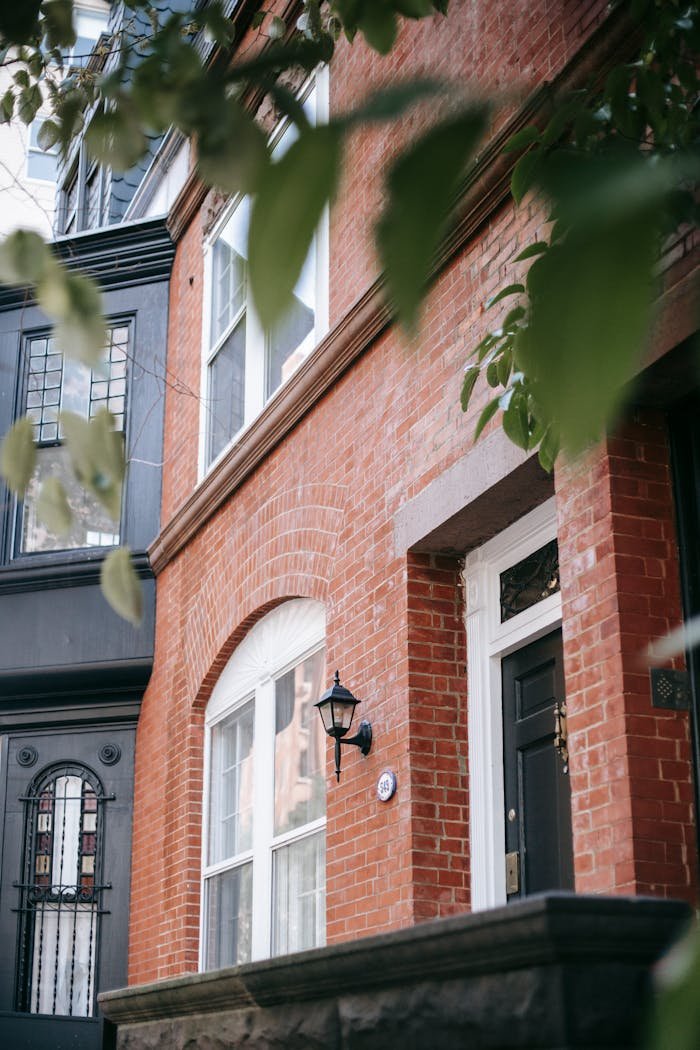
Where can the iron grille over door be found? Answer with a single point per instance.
(61, 892)
(65, 834)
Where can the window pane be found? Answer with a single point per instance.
(41, 165)
(91, 526)
(227, 391)
(92, 200)
(229, 271)
(75, 396)
(299, 895)
(231, 793)
(229, 917)
(300, 782)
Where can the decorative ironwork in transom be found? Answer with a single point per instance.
(529, 581)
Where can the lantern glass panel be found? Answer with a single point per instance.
(343, 710)
(326, 711)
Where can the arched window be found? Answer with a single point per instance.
(264, 843)
(61, 892)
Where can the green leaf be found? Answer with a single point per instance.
(29, 104)
(488, 413)
(18, 457)
(58, 23)
(525, 137)
(121, 586)
(676, 1019)
(389, 103)
(53, 508)
(115, 137)
(24, 258)
(378, 25)
(532, 249)
(564, 115)
(7, 106)
(286, 211)
(589, 314)
(97, 455)
(548, 450)
(422, 185)
(524, 174)
(49, 134)
(515, 420)
(471, 376)
(80, 330)
(277, 28)
(414, 8)
(510, 289)
(232, 150)
(18, 21)
(513, 317)
(505, 366)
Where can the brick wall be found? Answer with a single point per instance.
(631, 776)
(315, 519)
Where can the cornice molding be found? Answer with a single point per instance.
(120, 256)
(485, 190)
(69, 569)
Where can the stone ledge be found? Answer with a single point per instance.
(553, 971)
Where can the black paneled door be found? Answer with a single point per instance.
(537, 793)
(64, 891)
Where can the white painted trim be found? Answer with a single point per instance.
(488, 641)
(286, 636)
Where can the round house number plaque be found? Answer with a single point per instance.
(386, 785)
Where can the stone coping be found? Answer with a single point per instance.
(549, 930)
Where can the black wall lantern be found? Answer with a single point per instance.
(336, 708)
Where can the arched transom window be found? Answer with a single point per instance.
(264, 844)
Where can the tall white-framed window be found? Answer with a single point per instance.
(499, 621)
(263, 860)
(242, 365)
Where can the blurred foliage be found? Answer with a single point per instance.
(616, 167)
(674, 1023)
(616, 170)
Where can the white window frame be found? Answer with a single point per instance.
(280, 641)
(255, 401)
(488, 641)
(37, 150)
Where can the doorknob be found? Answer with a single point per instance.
(561, 736)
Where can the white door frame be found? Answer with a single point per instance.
(488, 641)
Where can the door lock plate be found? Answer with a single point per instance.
(512, 873)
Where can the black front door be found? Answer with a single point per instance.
(537, 794)
(64, 890)
(684, 431)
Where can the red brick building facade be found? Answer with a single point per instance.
(357, 488)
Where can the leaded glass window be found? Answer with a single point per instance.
(55, 384)
(61, 893)
(529, 581)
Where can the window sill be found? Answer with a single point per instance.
(76, 568)
(321, 369)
